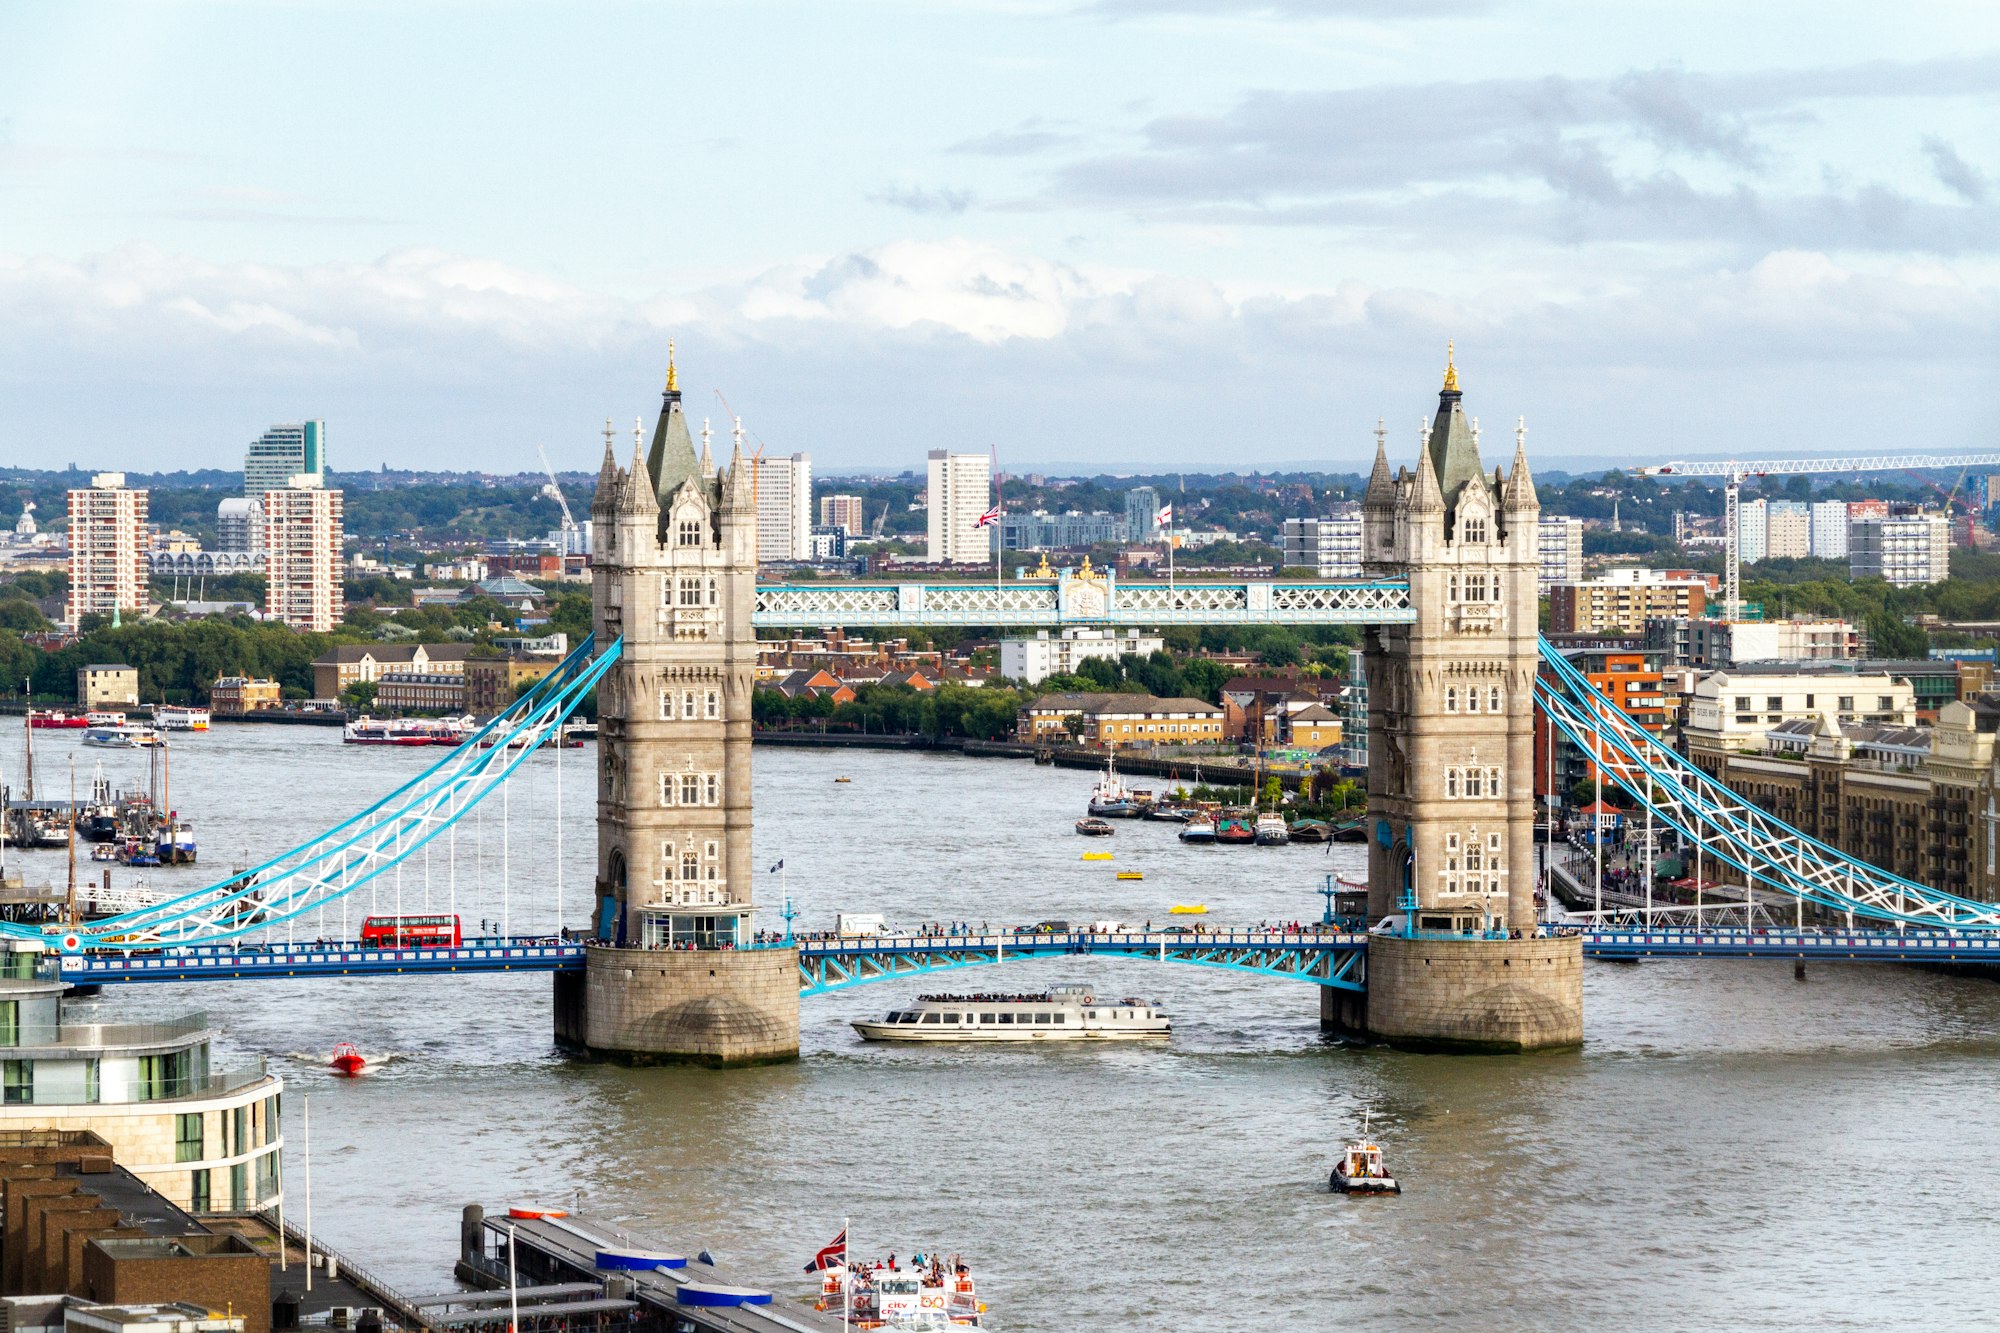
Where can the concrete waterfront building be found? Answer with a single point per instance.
(288, 450)
(302, 536)
(1561, 544)
(1828, 524)
(239, 525)
(206, 1140)
(107, 685)
(961, 490)
(848, 512)
(1907, 549)
(784, 508)
(674, 570)
(1734, 710)
(1685, 641)
(1451, 751)
(1331, 547)
(1034, 659)
(108, 567)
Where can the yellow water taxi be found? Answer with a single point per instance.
(1098, 856)
(1131, 874)
(1189, 909)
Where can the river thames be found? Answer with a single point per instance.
(1731, 1147)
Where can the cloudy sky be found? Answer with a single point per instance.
(1108, 234)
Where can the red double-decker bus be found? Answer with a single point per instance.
(411, 932)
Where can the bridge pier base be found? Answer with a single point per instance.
(705, 1006)
(1466, 995)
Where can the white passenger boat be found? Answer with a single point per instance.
(170, 717)
(122, 738)
(1272, 831)
(935, 1296)
(1066, 1013)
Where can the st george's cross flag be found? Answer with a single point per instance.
(1165, 518)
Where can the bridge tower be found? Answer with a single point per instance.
(674, 560)
(1451, 757)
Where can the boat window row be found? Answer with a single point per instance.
(1026, 1019)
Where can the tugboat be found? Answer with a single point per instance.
(346, 1060)
(1200, 830)
(1271, 830)
(1109, 799)
(1360, 1169)
(1094, 828)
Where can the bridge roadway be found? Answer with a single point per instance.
(1325, 958)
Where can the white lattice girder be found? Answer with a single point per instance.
(1041, 605)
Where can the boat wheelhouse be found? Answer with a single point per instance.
(1063, 1013)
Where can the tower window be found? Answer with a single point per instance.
(690, 789)
(711, 592)
(1472, 700)
(1493, 699)
(714, 705)
(687, 705)
(1475, 530)
(690, 592)
(1451, 787)
(690, 532)
(1451, 587)
(1473, 786)
(1451, 698)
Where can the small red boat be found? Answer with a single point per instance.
(346, 1060)
(56, 719)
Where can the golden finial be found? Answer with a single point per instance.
(1043, 571)
(1450, 370)
(673, 376)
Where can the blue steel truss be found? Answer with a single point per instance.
(1335, 960)
(1765, 849)
(326, 868)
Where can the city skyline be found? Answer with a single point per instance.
(1154, 223)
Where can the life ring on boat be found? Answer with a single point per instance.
(1090, 999)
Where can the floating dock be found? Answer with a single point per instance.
(559, 1251)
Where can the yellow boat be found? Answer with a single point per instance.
(843, 779)
(1131, 874)
(1189, 909)
(1097, 856)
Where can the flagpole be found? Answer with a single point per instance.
(999, 523)
(847, 1274)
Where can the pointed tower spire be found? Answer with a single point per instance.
(707, 458)
(671, 460)
(1425, 497)
(639, 494)
(1521, 495)
(606, 497)
(1454, 442)
(1381, 492)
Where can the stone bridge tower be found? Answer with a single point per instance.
(674, 561)
(1451, 756)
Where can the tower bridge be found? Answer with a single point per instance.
(672, 967)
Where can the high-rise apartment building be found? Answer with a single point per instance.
(290, 449)
(1829, 529)
(848, 512)
(1908, 550)
(239, 525)
(1787, 530)
(1329, 546)
(961, 490)
(1561, 544)
(784, 508)
(1142, 515)
(1752, 530)
(107, 548)
(1622, 600)
(302, 537)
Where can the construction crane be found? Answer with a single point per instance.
(1733, 472)
(554, 491)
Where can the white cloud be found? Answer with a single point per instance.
(867, 357)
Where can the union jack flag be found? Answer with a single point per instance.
(835, 1252)
(988, 518)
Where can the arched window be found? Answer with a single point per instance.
(1451, 789)
(1493, 781)
(690, 864)
(1451, 698)
(1472, 853)
(1475, 530)
(1473, 786)
(1493, 699)
(1451, 585)
(690, 532)
(1472, 699)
